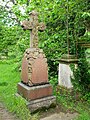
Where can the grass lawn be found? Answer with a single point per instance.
(9, 78)
(8, 88)
(70, 104)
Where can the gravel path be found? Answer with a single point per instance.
(5, 115)
(60, 116)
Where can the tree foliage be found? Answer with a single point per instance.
(58, 15)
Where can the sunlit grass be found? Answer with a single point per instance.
(9, 78)
(8, 88)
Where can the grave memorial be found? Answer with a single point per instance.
(34, 85)
(65, 73)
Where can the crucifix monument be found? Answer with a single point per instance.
(34, 26)
(34, 85)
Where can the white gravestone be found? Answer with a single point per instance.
(65, 75)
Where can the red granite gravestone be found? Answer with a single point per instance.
(34, 75)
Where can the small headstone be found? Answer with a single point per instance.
(65, 72)
(35, 87)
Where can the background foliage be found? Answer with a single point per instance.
(14, 41)
(58, 15)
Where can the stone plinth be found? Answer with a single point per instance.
(65, 72)
(34, 67)
(34, 92)
(42, 103)
(37, 97)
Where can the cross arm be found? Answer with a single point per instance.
(42, 27)
(26, 25)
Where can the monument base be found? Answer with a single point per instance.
(34, 92)
(37, 97)
(41, 103)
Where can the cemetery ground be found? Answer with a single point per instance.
(66, 103)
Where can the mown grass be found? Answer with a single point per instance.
(8, 88)
(9, 78)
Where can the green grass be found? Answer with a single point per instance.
(83, 116)
(8, 88)
(9, 78)
(74, 104)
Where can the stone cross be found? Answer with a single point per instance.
(34, 26)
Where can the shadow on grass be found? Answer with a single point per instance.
(3, 83)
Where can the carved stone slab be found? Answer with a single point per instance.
(39, 71)
(24, 73)
(34, 67)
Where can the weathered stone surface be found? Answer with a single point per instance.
(34, 69)
(40, 103)
(34, 74)
(65, 75)
(30, 55)
(41, 56)
(41, 51)
(35, 92)
(34, 26)
(67, 59)
(36, 54)
(39, 71)
(24, 72)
